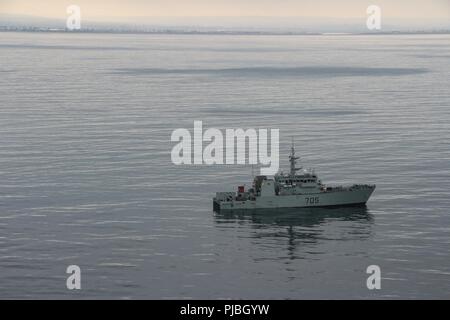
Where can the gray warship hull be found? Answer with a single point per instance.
(355, 195)
(292, 190)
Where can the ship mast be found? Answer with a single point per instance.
(293, 160)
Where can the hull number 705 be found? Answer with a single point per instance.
(312, 200)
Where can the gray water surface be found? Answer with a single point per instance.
(86, 176)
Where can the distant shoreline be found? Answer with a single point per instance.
(215, 32)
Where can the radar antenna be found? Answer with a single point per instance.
(293, 160)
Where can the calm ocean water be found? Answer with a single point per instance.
(86, 176)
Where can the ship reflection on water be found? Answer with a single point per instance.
(300, 228)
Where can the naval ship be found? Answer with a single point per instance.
(300, 188)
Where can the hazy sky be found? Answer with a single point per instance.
(123, 9)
